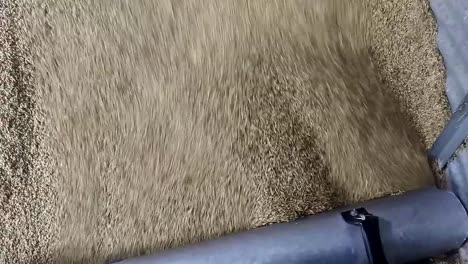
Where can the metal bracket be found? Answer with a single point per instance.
(371, 232)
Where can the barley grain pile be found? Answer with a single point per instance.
(105, 155)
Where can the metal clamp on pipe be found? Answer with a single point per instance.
(371, 232)
(396, 229)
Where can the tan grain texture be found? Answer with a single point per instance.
(404, 43)
(27, 193)
(171, 122)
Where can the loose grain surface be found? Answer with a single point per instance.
(404, 43)
(106, 207)
(27, 193)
